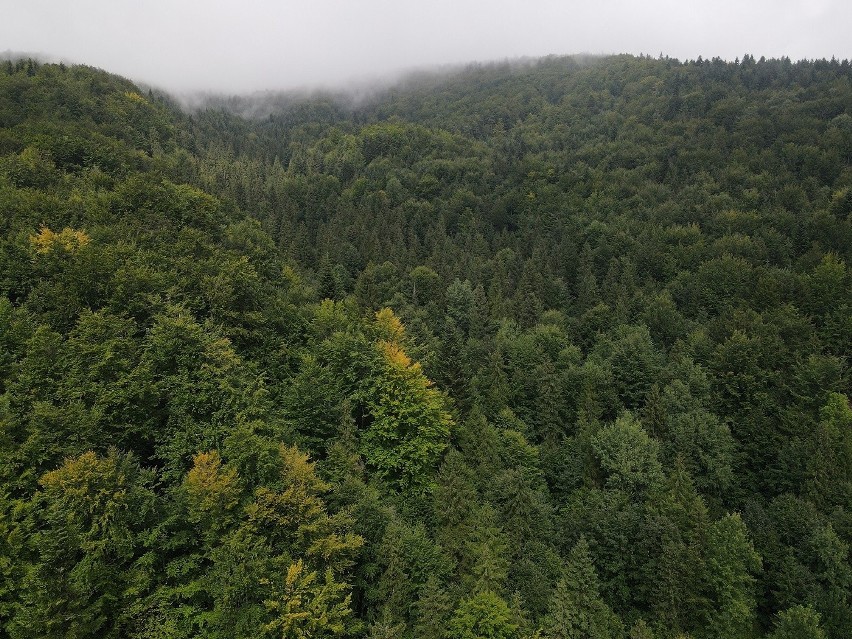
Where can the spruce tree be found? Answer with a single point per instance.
(577, 610)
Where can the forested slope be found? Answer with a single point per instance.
(555, 349)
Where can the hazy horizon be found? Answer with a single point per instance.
(221, 46)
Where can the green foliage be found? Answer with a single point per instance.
(483, 616)
(305, 606)
(627, 456)
(731, 565)
(85, 558)
(272, 563)
(410, 426)
(675, 532)
(433, 611)
(403, 422)
(798, 622)
(828, 473)
(568, 313)
(576, 609)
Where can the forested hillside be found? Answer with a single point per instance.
(549, 350)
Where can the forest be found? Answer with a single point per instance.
(555, 349)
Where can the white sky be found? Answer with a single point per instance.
(246, 45)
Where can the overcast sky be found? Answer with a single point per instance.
(246, 45)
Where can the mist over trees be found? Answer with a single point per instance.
(550, 350)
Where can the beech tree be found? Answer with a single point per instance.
(86, 561)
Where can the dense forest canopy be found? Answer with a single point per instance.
(554, 350)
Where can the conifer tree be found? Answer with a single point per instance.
(485, 615)
(577, 610)
(432, 611)
(732, 564)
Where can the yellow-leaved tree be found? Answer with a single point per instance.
(268, 562)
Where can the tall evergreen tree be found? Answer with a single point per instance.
(577, 610)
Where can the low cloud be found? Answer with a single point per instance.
(238, 47)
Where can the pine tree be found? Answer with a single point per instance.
(432, 611)
(577, 610)
(732, 563)
(678, 521)
(486, 563)
(453, 494)
(829, 463)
